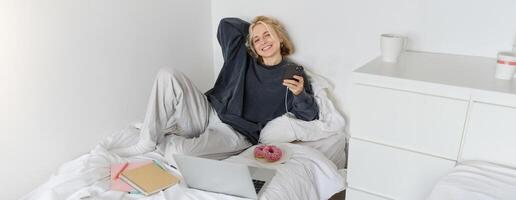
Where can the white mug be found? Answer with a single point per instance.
(392, 45)
(505, 65)
(514, 51)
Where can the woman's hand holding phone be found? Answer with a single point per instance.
(295, 86)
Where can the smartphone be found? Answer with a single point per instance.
(293, 70)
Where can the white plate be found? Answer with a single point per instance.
(286, 154)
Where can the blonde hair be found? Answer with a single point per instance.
(286, 47)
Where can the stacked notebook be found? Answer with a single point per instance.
(145, 177)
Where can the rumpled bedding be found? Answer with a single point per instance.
(477, 180)
(307, 175)
(333, 147)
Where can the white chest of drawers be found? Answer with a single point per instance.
(412, 121)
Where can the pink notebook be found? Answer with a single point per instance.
(117, 183)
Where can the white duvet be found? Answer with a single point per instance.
(476, 180)
(307, 175)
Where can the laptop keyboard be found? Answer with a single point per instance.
(258, 185)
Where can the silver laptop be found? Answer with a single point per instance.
(223, 177)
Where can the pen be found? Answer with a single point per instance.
(121, 170)
(159, 165)
(133, 192)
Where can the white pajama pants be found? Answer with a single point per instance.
(180, 120)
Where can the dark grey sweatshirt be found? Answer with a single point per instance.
(248, 94)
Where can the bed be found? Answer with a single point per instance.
(309, 174)
(317, 152)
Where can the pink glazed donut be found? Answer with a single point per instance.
(270, 153)
(258, 151)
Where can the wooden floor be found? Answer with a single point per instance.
(339, 196)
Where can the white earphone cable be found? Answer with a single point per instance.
(286, 113)
(286, 97)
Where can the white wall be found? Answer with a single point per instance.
(334, 37)
(74, 72)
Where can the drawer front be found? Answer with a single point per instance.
(414, 121)
(352, 194)
(393, 173)
(491, 134)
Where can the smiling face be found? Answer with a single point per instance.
(265, 41)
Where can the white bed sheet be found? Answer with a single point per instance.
(307, 175)
(476, 180)
(333, 147)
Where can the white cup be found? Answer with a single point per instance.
(505, 65)
(392, 45)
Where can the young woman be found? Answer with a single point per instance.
(249, 92)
